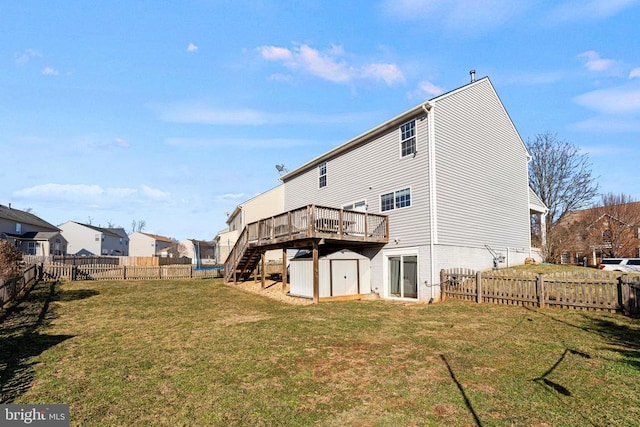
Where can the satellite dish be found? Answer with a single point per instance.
(281, 168)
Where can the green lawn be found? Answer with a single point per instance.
(197, 352)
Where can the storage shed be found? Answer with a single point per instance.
(340, 273)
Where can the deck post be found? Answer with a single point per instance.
(284, 270)
(366, 226)
(316, 274)
(263, 270)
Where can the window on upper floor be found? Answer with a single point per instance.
(408, 138)
(18, 228)
(607, 237)
(395, 200)
(322, 175)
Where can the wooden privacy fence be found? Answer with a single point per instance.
(123, 272)
(11, 289)
(612, 292)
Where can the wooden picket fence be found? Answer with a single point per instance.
(12, 289)
(123, 272)
(599, 291)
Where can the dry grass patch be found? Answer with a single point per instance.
(197, 352)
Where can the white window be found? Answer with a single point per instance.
(408, 138)
(18, 228)
(32, 248)
(322, 174)
(395, 200)
(360, 206)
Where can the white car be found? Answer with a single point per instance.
(620, 264)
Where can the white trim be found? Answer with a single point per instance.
(433, 211)
(386, 253)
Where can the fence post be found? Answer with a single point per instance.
(74, 272)
(540, 290)
(623, 294)
(443, 286)
(124, 272)
(40, 272)
(479, 287)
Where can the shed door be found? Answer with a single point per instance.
(344, 277)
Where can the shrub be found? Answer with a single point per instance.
(10, 259)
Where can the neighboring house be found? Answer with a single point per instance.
(588, 235)
(146, 244)
(263, 205)
(91, 240)
(450, 175)
(201, 252)
(31, 234)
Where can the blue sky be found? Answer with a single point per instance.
(175, 112)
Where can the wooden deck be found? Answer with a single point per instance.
(309, 226)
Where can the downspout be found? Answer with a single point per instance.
(433, 237)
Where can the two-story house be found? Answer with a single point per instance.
(271, 202)
(30, 234)
(449, 174)
(147, 244)
(88, 239)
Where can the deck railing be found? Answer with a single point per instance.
(309, 222)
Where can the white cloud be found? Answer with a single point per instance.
(534, 78)
(576, 10)
(233, 198)
(192, 48)
(95, 195)
(274, 53)
(329, 65)
(196, 113)
(26, 56)
(203, 114)
(616, 100)
(426, 89)
(239, 143)
(593, 62)
(48, 71)
(119, 142)
(635, 73)
(459, 16)
(607, 124)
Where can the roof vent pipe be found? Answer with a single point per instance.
(473, 75)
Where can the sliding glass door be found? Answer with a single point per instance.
(403, 276)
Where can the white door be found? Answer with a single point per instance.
(344, 277)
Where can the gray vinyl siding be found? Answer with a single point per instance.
(365, 173)
(481, 172)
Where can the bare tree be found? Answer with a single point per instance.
(561, 176)
(138, 225)
(612, 225)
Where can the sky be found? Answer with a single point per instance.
(173, 113)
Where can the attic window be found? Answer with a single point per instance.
(408, 138)
(18, 228)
